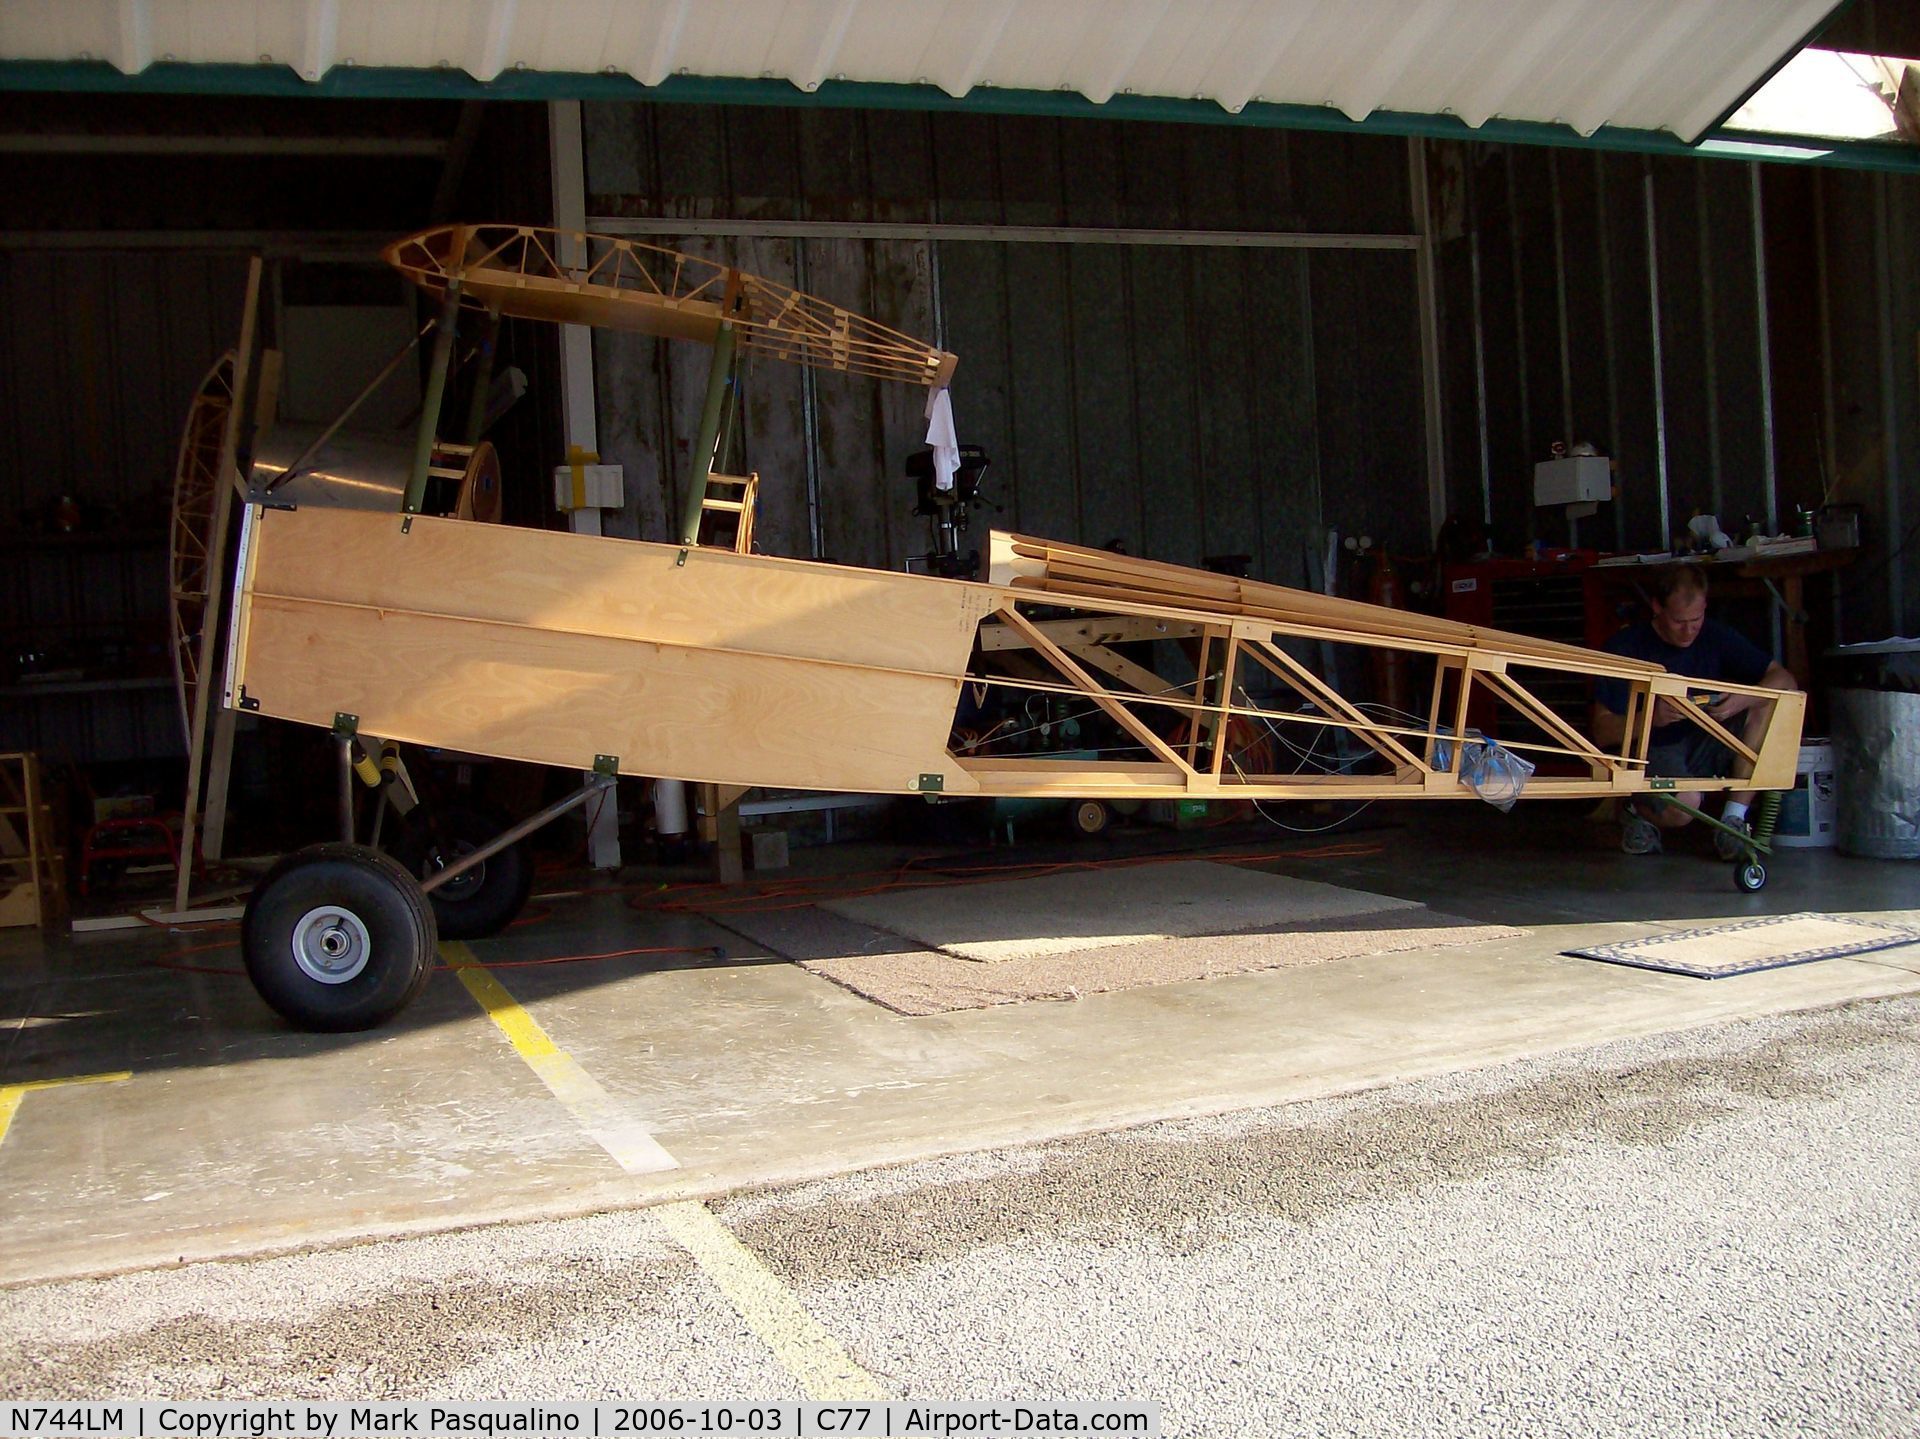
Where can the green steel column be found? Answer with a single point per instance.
(709, 437)
(430, 406)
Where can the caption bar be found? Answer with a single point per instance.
(281, 1420)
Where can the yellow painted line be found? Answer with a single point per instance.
(12, 1094)
(603, 1117)
(805, 1350)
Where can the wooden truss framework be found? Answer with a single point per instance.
(713, 666)
(1234, 630)
(724, 667)
(732, 669)
(628, 285)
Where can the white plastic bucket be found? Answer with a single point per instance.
(1807, 811)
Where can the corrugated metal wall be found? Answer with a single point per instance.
(1619, 300)
(1867, 229)
(98, 356)
(122, 278)
(1567, 335)
(1185, 399)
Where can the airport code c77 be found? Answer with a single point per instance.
(888, 1419)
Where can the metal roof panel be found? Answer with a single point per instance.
(1673, 65)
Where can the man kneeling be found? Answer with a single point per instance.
(1678, 636)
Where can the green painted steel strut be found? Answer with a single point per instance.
(709, 438)
(430, 406)
(1765, 812)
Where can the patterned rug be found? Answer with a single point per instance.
(1099, 908)
(1721, 950)
(935, 950)
(913, 980)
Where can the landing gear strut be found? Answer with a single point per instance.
(340, 936)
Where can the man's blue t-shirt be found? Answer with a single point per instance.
(1718, 652)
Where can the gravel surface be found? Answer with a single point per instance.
(1709, 1233)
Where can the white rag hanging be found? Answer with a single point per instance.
(946, 445)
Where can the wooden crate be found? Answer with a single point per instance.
(32, 869)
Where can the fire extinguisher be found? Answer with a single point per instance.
(1390, 680)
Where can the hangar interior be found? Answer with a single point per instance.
(1300, 348)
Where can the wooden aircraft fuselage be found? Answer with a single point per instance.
(702, 664)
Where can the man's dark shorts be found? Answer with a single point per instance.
(1696, 756)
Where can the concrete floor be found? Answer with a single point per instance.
(233, 1135)
(1705, 1234)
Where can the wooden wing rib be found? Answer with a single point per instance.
(628, 285)
(196, 482)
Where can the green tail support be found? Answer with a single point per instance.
(1766, 815)
(1749, 874)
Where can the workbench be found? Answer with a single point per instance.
(1780, 577)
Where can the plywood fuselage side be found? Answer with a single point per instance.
(701, 664)
(537, 645)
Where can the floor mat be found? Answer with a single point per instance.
(939, 949)
(1719, 951)
(912, 980)
(1085, 909)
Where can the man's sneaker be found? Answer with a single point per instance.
(1639, 835)
(1725, 845)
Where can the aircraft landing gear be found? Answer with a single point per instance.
(338, 937)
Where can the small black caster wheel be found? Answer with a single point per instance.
(1090, 818)
(1751, 876)
(338, 937)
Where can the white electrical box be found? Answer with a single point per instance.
(1573, 480)
(601, 487)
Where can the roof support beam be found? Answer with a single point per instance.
(422, 147)
(628, 225)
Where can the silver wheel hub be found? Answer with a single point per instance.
(331, 944)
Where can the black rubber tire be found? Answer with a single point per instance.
(1089, 818)
(488, 897)
(383, 916)
(1750, 875)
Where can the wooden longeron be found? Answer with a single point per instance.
(703, 664)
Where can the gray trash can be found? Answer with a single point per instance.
(1876, 748)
